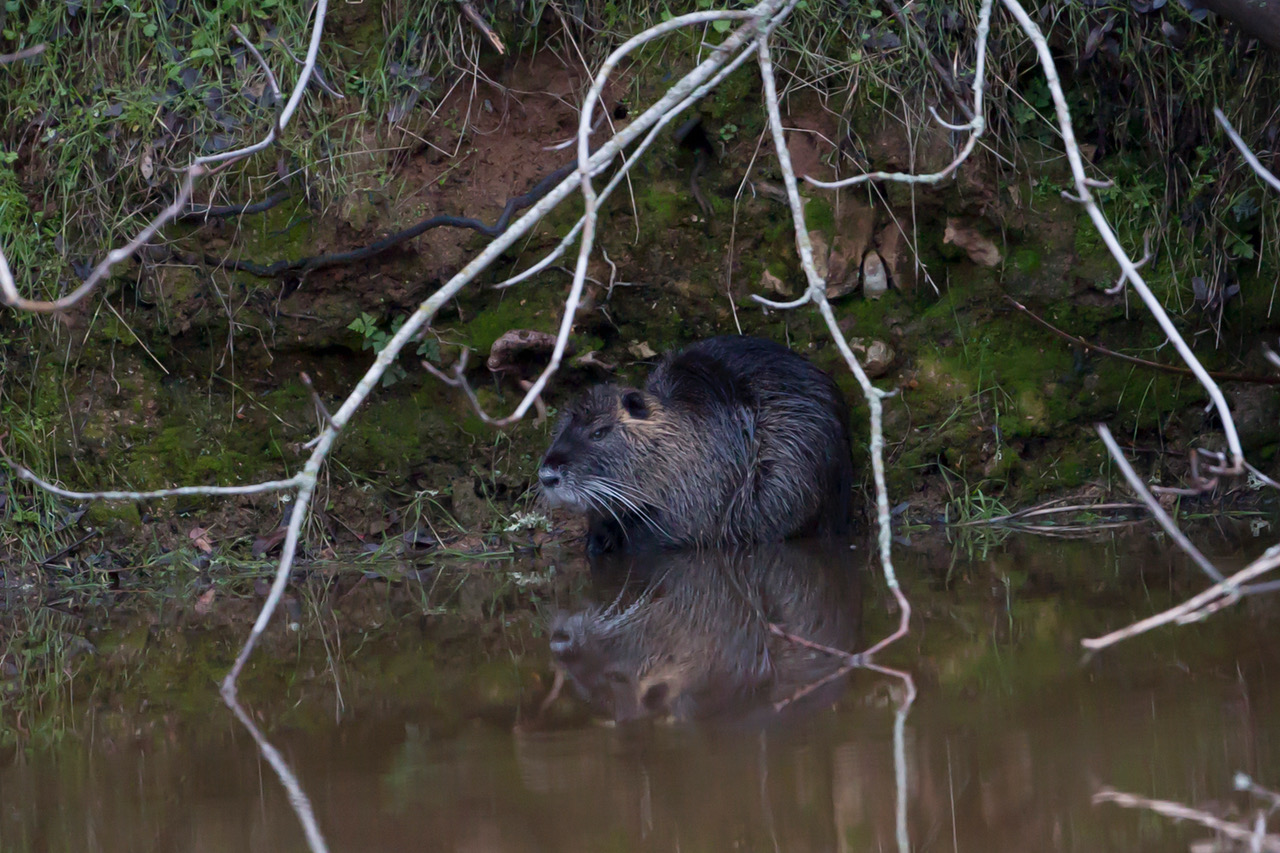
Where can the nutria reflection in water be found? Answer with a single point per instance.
(732, 440)
(692, 640)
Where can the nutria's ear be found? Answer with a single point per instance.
(635, 404)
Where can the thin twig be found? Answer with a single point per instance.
(262, 63)
(1249, 157)
(1141, 490)
(1147, 252)
(1032, 512)
(25, 53)
(1076, 161)
(1194, 609)
(482, 25)
(1178, 811)
(1255, 379)
(24, 473)
(321, 408)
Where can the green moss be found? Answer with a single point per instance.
(113, 515)
(1027, 261)
(515, 309)
(819, 215)
(661, 205)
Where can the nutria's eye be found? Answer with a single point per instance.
(600, 432)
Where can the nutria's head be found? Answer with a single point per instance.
(613, 663)
(594, 461)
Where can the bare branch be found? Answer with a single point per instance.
(1109, 237)
(1178, 811)
(24, 473)
(1194, 609)
(817, 292)
(976, 125)
(309, 65)
(482, 25)
(25, 53)
(262, 63)
(1147, 254)
(1249, 157)
(1251, 378)
(1141, 490)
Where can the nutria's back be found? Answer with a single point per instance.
(733, 439)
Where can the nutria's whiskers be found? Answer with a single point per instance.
(631, 498)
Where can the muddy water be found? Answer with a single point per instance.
(1010, 735)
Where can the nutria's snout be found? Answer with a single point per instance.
(556, 483)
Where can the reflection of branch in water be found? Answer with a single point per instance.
(862, 661)
(297, 797)
(1257, 838)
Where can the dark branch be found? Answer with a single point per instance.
(206, 211)
(315, 262)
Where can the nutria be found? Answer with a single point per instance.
(694, 640)
(733, 440)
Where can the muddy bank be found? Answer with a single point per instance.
(188, 373)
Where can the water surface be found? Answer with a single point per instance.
(419, 730)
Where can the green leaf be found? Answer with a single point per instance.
(150, 30)
(722, 25)
(430, 350)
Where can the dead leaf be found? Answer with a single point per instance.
(980, 249)
(770, 283)
(147, 163)
(642, 350)
(594, 359)
(264, 545)
(199, 537)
